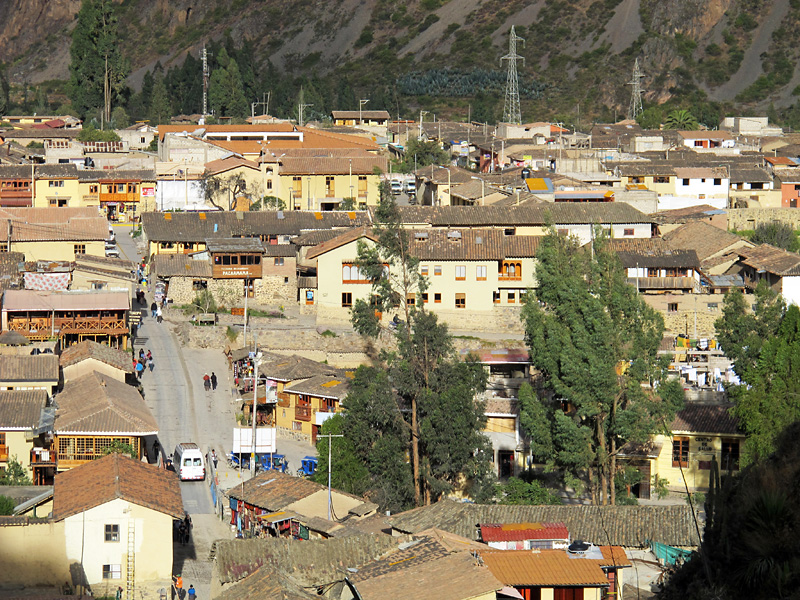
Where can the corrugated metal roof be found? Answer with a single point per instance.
(112, 477)
(43, 367)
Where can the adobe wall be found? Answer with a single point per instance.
(706, 307)
(34, 555)
(270, 290)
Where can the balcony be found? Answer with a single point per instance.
(302, 413)
(663, 283)
(3, 453)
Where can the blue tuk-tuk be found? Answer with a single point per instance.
(274, 462)
(307, 466)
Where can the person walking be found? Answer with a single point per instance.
(213, 380)
(141, 353)
(139, 369)
(150, 364)
(206, 382)
(149, 355)
(177, 583)
(159, 316)
(153, 308)
(214, 458)
(192, 593)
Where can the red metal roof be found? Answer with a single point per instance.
(511, 532)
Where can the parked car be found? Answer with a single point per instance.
(112, 251)
(397, 187)
(411, 187)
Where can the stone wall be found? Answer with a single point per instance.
(269, 290)
(749, 218)
(706, 307)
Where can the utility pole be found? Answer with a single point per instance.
(329, 436)
(264, 102)
(300, 111)
(361, 103)
(511, 111)
(204, 56)
(422, 113)
(256, 365)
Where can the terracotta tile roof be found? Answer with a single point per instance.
(317, 138)
(546, 568)
(747, 175)
(112, 477)
(180, 265)
(235, 245)
(312, 563)
(21, 300)
(452, 577)
(284, 250)
(771, 259)
(96, 403)
(501, 406)
(215, 167)
(110, 175)
(21, 409)
(684, 215)
(439, 175)
(420, 551)
(43, 367)
(706, 418)
(88, 349)
(625, 525)
(274, 491)
(702, 172)
(266, 583)
(322, 386)
(257, 128)
(197, 227)
(53, 224)
(614, 556)
(342, 239)
(705, 239)
(361, 165)
(653, 253)
(509, 532)
(292, 368)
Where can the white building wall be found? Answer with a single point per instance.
(179, 194)
(790, 288)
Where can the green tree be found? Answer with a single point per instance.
(225, 89)
(681, 119)
(596, 343)
(422, 154)
(160, 108)
(117, 447)
(437, 390)
(6, 506)
(348, 472)
(650, 118)
(14, 473)
(97, 67)
(525, 490)
(777, 234)
(90, 134)
(120, 118)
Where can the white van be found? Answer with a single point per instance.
(188, 462)
(397, 186)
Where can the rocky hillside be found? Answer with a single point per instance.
(580, 51)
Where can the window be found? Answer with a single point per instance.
(79, 248)
(684, 181)
(424, 270)
(93, 189)
(717, 181)
(330, 187)
(480, 272)
(425, 298)
(362, 186)
(269, 184)
(510, 231)
(680, 452)
(437, 270)
(757, 186)
(352, 274)
(112, 571)
(712, 306)
(132, 188)
(730, 455)
(461, 301)
(278, 261)
(651, 272)
(199, 285)
(496, 297)
(636, 179)
(112, 533)
(672, 307)
(347, 299)
(58, 202)
(297, 187)
(437, 298)
(627, 232)
(512, 297)
(677, 272)
(660, 179)
(297, 426)
(461, 272)
(58, 184)
(511, 270)
(3, 246)
(411, 299)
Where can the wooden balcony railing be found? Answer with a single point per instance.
(302, 413)
(113, 325)
(43, 458)
(3, 453)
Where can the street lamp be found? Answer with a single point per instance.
(361, 103)
(422, 113)
(256, 365)
(483, 189)
(291, 198)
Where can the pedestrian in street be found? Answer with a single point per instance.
(153, 308)
(156, 448)
(139, 369)
(149, 355)
(207, 382)
(192, 593)
(159, 316)
(150, 364)
(141, 353)
(177, 583)
(213, 380)
(214, 458)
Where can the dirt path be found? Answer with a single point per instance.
(750, 68)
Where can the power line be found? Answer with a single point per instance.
(511, 111)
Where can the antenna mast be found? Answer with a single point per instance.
(635, 108)
(204, 56)
(511, 111)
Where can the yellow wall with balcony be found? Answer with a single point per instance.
(14, 445)
(317, 190)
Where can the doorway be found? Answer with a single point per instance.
(505, 463)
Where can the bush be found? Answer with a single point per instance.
(6, 506)
(518, 491)
(231, 334)
(205, 302)
(14, 473)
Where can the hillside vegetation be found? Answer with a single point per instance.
(711, 56)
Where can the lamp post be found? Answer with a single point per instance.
(291, 198)
(422, 113)
(309, 193)
(361, 103)
(483, 189)
(330, 436)
(256, 365)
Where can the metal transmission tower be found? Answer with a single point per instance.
(511, 111)
(635, 109)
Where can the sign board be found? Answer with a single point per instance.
(134, 318)
(237, 312)
(148, 191)
(243, 440)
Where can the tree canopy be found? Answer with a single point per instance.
(420, 154)
(777, 234)
(595, 342)
(681, 119)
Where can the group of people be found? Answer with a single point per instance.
(210, 383)
(145, 360)
(177, 588)
(155, 311)
(182, 529)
